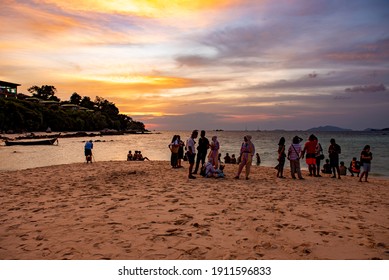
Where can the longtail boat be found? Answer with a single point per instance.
(32, 142)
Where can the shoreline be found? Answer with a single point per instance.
(147, 210)
(74, 134)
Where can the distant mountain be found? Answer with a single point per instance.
(328, 128)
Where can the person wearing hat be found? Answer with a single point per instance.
(247, 152)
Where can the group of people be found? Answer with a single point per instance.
(136, 156)
(208, 162)
(206, 157)
(313, 153)
(88, 147)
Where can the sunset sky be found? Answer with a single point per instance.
(209, 64)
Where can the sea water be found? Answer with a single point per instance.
(155, 147)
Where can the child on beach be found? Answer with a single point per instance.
(327, 167)
(342, 169)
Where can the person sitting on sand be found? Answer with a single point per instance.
(227, 158)
(88, 151)
(140, 157)
(129, 156)
(327, 167)
(355, 167)
(342, 169)
(233, 159)
(135, 156)
(212, 172)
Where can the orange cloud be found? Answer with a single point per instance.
(37, 21)
(149, 8)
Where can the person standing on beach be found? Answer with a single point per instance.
(88, 151)
(181, 145)
(247, 151)
(294, 153)
(214, 153)
(366, 157)
(319, 158)
(202, 150)
(333, 152)
(310, 149)
(174, 146)
(281, 158)
(191, 152)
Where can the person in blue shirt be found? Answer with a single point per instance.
(88, 151)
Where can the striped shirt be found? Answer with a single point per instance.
(294, 151)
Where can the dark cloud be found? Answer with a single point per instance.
(366, 52)
(367, 88)
(194, 60)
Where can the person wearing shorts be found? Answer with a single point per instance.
(88, 151)
(366, 157)
(191, 152)
(310, 151)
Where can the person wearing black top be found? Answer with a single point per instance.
(202, 149)
(366, 157)
(334, 150)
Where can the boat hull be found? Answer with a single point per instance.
(31, 143)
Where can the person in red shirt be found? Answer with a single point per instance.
(310, 150)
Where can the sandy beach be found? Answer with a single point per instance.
(147, 210)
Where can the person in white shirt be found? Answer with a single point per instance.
(191, 152)
(294, 155)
